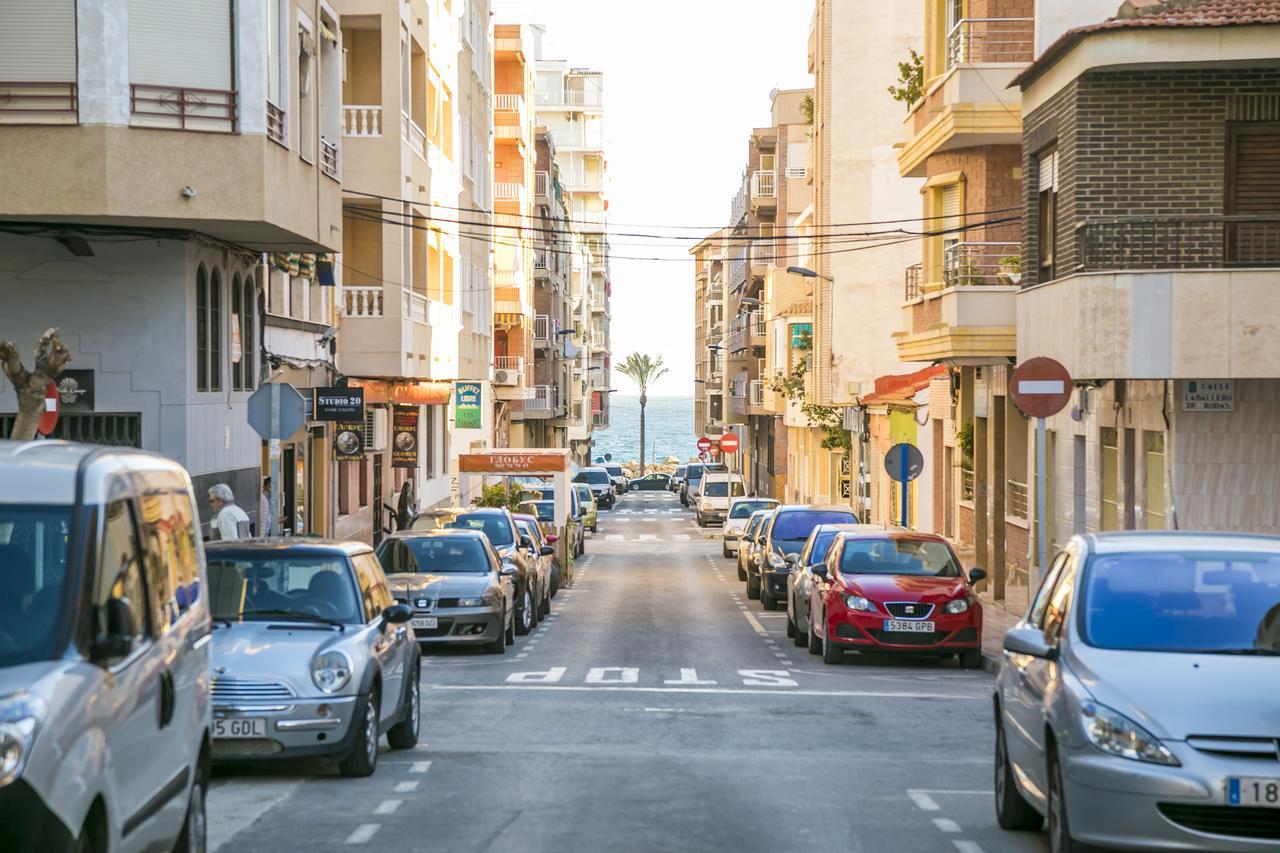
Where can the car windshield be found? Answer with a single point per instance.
(761, 525)
(247, 586)
(695, 472)
(447, 555)
(594, 476)
(821, 544)
(614, 470)
(1225, 603)
(494, 526)
(545, 510)
(743, 509)
(924, 557)
(431, 521)
(723, 488)
(792, 529)
(679, 472)
(33, 570)
(531, 530)
(584, 492)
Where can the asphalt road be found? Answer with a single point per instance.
(656, 710)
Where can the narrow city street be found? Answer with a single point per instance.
(656, 709)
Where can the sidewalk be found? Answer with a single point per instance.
(997, 616)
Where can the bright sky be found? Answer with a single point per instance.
(685, 81)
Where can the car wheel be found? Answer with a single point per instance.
(813, 641)
(766, 600)
(509, 632)
(404, 734)
(791, 626)
(742, 573)
(831, 653)
(971, 659)
(546, 606)
(525, 619)
(801, 637)
(1059, 827)
(753, 586)
(1012, 810)
(724, 551)
(499, 646)
(194, 834)
(91, 838)
(595, 528)
(363, 758)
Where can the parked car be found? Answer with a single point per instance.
(311, 642)
(435, 519)
(894, 591)
(618, 476)
(677, 479)
(601, 485)
(513, 548)
(105, 722)
(655, 482)
(785, 534)
(1136, 706)
(460, 590)
(588, 510)
(693, 477)
(740, 510)
(749, 544)
(800, 579)
(716, 491)
(577, 521)
(548, 574)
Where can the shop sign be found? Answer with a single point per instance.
(1209, 395)
(468, 398)
(404, 437)
(339, 404)
(348, 440)
(514, 462)
(75, 390)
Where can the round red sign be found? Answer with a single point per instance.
(729, 442)
(704, 444)
(49, 417)
(1040, 387)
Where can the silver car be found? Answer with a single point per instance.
(461, 592)
(312, 656)
(1138, 705)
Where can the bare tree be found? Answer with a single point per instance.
(52, 356)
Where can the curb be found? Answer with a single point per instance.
(990, 662)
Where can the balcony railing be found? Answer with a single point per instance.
(179, 108)
(362, 301)
(1184, 242)
(545, 330)
(966, 484)
(38, 103)
(546, 398)
(755, 392)
(361, 119)
(737, 404)
(509, 191)
(542, 187)
(912, 290)
(275, 125)
(541, 259)
(763, 253)
(509, 370)
(508, 103)
(1016, 499)
(764, 185)
(415, 136)
(592, 97)
(744, 329)
(738, 269)
(990, 40)
(416, 307)
(600, 419)
(967, 264)
(329, 158)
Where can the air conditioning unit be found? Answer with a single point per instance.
(506, 377)
(376, 429)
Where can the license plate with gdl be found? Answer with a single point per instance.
(426, 623)
(908, 625)
(1253, 791)
(240, 728)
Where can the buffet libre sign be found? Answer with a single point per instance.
(467, 399)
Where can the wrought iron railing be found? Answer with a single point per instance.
(912, 290)
(966, 484)
(969, 264)
(1180, 242)
(182, 108)
(329, 158)
(1016, 504)
(275, 125)
(38, 103)
(990, 40)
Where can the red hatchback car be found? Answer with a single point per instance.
(894, 591)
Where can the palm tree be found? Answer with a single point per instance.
(644, 370)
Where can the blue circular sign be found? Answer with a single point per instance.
(903, 462)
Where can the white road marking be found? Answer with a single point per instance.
(363, 833)
(648, 537)
(755, 623)
(680, 537)
(767, 678)
(406, 787)
(967, 846)
(946, 824)
(855, 694)
(420, 767)
(614, 537)
(233, 807)
(602, 675)
(550, 676)
(388, 807)
(924, 802)
(687, 676)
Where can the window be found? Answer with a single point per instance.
(38, 61)
(208, 329)
(120, 570)
(1153, 500)
(1047, 214)
(1035, 616)
(173, 569)
(202, 329)
(1109, 439)
(1059, 603)
(180, 64)
(1253, 189)
(215, 330)
(243, 309)
(373, 585)
(306, 89)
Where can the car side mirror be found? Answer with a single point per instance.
(553, 538)
(508, 571)
(976, 575)
(117, 642)
(791, 559)
(1029, 641)
(820, 571)
(397, 614)
(547, 551)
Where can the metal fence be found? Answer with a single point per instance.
(969, 264)
(1016, 504)
(990, 40)
(1188, 242)
(912, 290)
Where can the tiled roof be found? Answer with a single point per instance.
(802, 306)
(1160, 14)
(903, 386)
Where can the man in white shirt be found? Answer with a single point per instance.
(229, 521)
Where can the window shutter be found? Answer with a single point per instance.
(1049, 172)
(180, 43)
(1256, 173)
(951, 203)
(38, 41)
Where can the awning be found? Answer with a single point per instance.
(508, 319)
(412, 392)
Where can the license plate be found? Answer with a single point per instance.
(909, 626)
(426, 622)
(1253, 791)
(246, 728)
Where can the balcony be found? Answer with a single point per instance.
(600, 420)
(747, 330)
(415, 137)
(764, 189)
(762, 254)
(415, 307)
(510, 371)
(509, 193)
(1159, 297)
(591, 97)
(39, 103)
(542, 187)
(1016, 500)
(970, 264)
(738, 270)
(990, 41)
(329, 157)
(178, 108)
(583, 181)
(912, 280)
(542, 261)
(362, 302)
(755, 398)
(361, 120)
(545, 331)
(508, 103)
(544, 403)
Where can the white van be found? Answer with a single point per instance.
(714, 494)
(740, 510)
(104, 651)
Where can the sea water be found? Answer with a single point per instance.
(668, 430)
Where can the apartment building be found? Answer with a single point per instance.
(857, 275)
(205, 134)
(1151, 247)
(710, 271)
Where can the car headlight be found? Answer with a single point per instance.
(1116, 734)
(960, 605)
(331, 671)
(860, 604)
(776, 561)
(20, 716)
(470, 602)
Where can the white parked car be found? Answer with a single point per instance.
(104, 652)
(714, 493)
(740, 510)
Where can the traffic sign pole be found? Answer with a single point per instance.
(1041, 387)
(906, 484)
(277, 487)
(1042, 500)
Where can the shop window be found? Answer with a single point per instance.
(1110, 441)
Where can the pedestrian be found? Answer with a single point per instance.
(405, 507)
(229, 521)
(265, 507)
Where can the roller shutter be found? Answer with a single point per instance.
(38, 41)
(180, 43)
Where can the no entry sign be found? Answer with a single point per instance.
(52, 408)
(729, 442)
(1040, 387)
(704, 444)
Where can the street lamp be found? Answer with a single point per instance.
(805, 272)
(747, 300)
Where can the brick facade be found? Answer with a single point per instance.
(992, 181)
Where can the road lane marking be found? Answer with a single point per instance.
(550, 676)
(611, 688)
(406, 787)
(231, 808)
(388, 806)
(767, 678)
(601, 675)
(420, 767)
(648, 537)
(924, 802)
(755, 623)
(687, 676)
(946, 824)
(363, 833)
(967, 846)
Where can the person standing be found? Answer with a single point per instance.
(265, 508)
(229, 521)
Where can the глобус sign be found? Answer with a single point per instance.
(339, 404)
(1209, 395)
